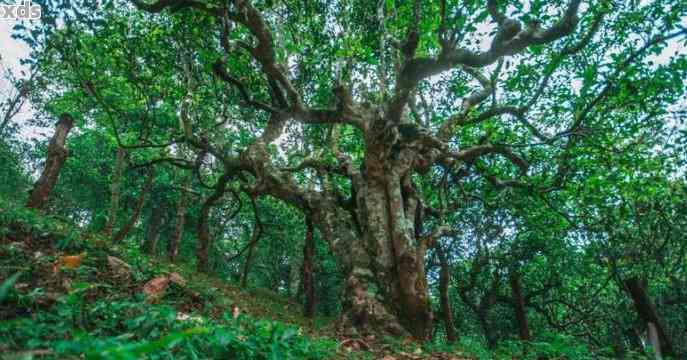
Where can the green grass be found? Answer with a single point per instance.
(92, 312)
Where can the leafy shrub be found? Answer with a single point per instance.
(133, 329)
(38, 226)
(549, 345)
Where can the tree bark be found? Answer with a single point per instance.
(372, 234)
(204, 238)
(492, 341)
(483, 306)
(385, 283)
(397, 259)
(294, 278)
(257, 231)
(654, 340)
(115, 189)
(308, 259)
(519, 306)
(249, 259)
(385, 289)
(618, 343)
(153, 232)
(175, 240)
(647, 312)
(57, 155)
(444, 281)
(121, 234)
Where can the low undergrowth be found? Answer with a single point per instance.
(131, 329)
(93, 311)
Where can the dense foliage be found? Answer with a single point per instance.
(499, 178)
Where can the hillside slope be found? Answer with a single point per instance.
(69, 294)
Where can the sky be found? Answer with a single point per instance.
(11, 52)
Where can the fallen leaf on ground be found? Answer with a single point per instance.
(70, 261)
(67, 261)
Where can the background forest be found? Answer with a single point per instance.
(388, 179)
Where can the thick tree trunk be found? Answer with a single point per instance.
(372, 235)
(519, 306)
(115, 190)
(444, 281)
(121, 234)
(365, 308)
(398, 257)
(648, 313)
(385, 288)
(179, 223)
(308, 260)
(57, 155)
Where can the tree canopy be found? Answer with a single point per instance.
(502, 168)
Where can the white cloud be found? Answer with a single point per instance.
(12, 50)
(11, 53)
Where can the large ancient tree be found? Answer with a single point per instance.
(352, 110)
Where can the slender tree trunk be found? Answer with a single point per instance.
(14, 105)
(204, 238)
(57, 155)
(249, 260)
(492, 342)
(444, 281)
(251, 253)
(648, 313)
(519, 306)
(308, 259)
(255, 237)
(115, 189)
(121, 234)
(175, 240)
(153, 232)
(485, 306)
(294, 278)
(618, 343)
(634, 339)
(654, 340)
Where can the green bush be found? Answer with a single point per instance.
(39, 227)
(134, 329)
